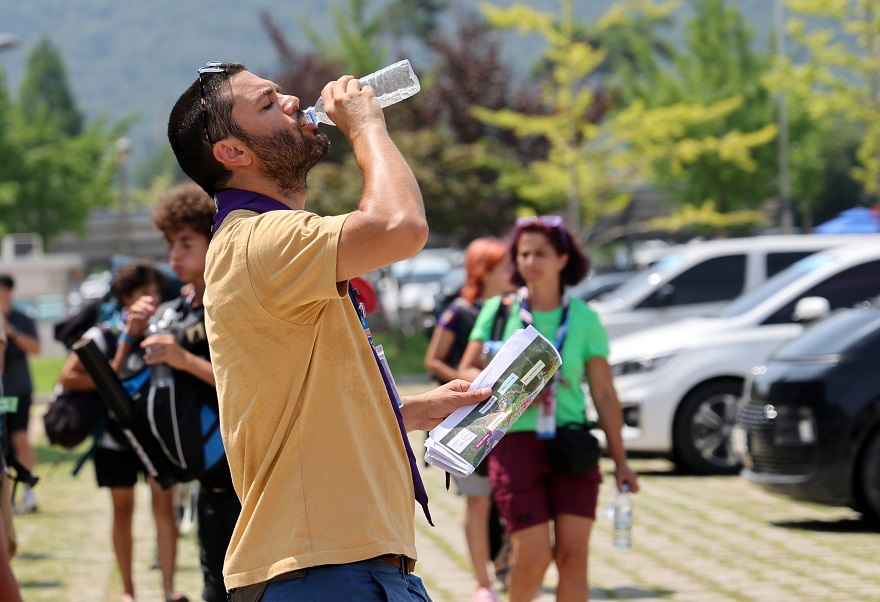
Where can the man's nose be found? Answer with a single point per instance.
(289, 103)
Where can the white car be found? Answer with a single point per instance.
(700, 278)
(408, 288)
(680, 384)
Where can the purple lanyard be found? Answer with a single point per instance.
(230, 200)
(418, 485)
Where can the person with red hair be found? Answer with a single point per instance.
(487, 275)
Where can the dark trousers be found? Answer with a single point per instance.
(217, 512)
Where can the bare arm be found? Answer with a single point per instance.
(74, 376)
(164, 349)
(441, 343)
(27, 343)
(135, 325)
(610, 418)
(389, 224)
(9, 590)
(472, 361)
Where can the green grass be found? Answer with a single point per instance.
(44, 371)
(406, 355)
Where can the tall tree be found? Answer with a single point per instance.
(357, 45)
(841, 72)
(45, 91)
(726, 160)
(595, 155)
(50, 179)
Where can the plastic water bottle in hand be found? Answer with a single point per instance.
(390, 85)
(160, 374)
(623, 513)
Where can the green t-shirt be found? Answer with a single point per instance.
(585, 339)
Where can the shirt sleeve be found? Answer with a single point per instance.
(482, 329)
(448, 317)
(594, 339)
(292, 261)
(28, 326)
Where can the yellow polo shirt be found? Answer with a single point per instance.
(314, 448)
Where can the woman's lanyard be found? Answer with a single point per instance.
(546, 428)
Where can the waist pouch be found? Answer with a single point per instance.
(573, 451)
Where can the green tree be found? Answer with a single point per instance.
(724, 161)
(595, 156)
(45, 92)
(841, 72)
(51, 179)
(357, 45)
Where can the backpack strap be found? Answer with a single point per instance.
(500, 320)
(96, 439)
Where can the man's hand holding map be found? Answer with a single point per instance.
(518, 372)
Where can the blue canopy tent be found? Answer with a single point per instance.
(857, 220)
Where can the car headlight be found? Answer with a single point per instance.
(794, 425)
(642, 365)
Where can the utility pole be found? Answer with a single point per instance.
(786, 221)
(123, 146)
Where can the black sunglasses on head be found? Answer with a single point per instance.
(212, 67)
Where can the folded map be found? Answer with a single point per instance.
(517, 373)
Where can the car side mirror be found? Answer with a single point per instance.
(664, 295)
(810, 309)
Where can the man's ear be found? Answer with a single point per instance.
(230, 151)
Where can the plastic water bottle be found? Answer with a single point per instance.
(161, 376)
(390, 84)
(623, 512)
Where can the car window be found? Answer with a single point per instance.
(844, 289)
(717, 279)
(776, 262)
(757, 296)
(834, 335)
(649, 276)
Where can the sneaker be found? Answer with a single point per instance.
(28, 503)
(485, 594)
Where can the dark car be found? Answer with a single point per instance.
(809, 427)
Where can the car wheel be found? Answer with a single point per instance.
(701, 431)
(869, 480)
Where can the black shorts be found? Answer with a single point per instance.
(115, 468)
(19, 420)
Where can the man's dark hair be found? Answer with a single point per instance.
(134, 275)
(185, 205)
(186, 127)
(7, 281)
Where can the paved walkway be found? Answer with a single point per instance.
(696, 539)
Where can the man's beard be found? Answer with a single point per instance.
(287, 159)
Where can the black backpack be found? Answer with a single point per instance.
(73, 416)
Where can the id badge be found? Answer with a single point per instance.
(546, 428)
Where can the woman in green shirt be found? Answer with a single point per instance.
(529, 492)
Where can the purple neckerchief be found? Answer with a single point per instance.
(231, 199)
(418, 485)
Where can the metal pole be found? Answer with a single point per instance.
(786, 220)
(123, 146)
